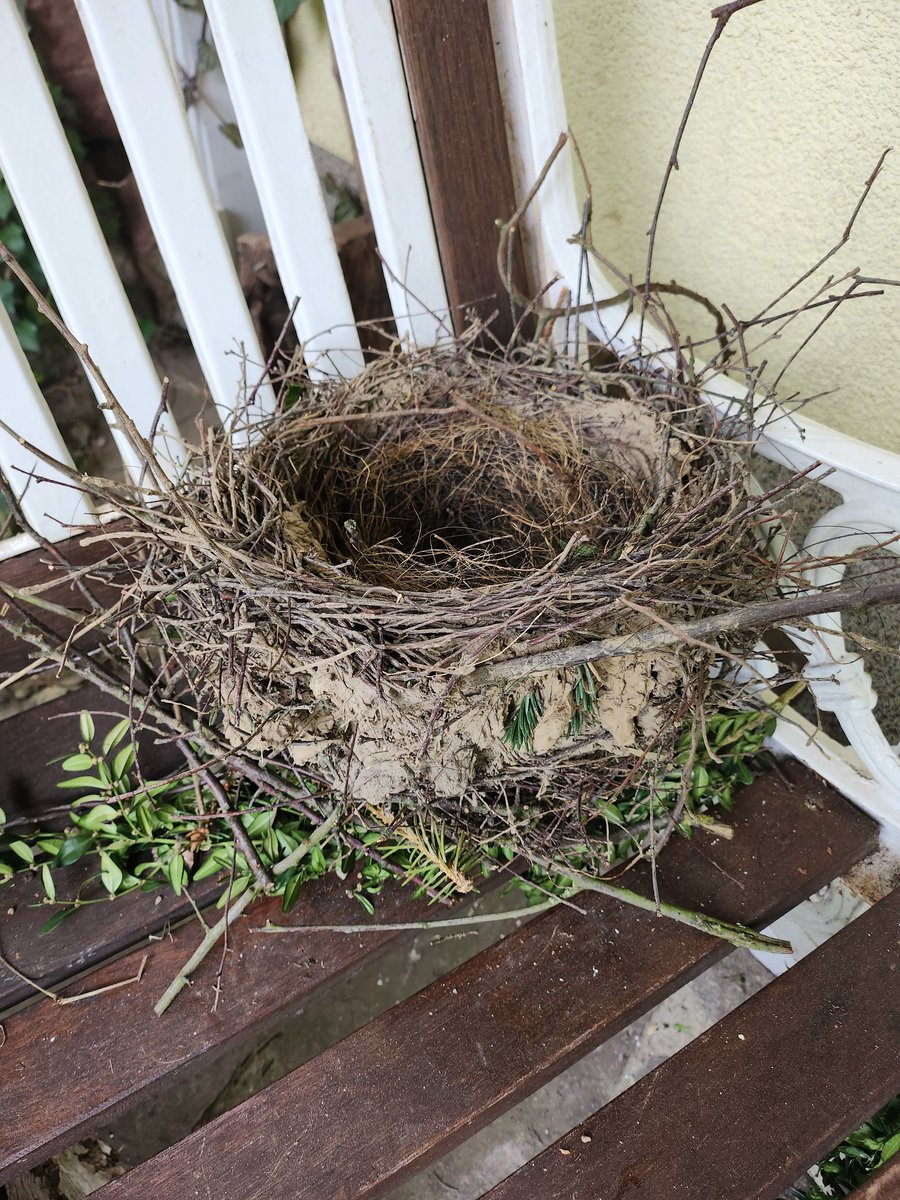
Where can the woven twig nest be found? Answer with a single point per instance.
(362, 567)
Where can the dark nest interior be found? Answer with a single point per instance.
(370, 590)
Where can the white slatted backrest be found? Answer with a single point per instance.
(145, 97)
(46, 185)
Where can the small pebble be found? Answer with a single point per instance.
(585, 1137)
(566, 1152)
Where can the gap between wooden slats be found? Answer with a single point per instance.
(751, 1103)
(468, 1047)
(251, 49)
(371, 70)
(51, 198)
(146, 102)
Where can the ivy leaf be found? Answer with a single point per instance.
(207, 58)
(23, 850)
(13, 237)
(77, 762)
(86, 725)
(175, 870)
(100, 814)
(208, 868)
(292, 891)
(73, 848)
(56, 919)
(82, 781)
(123, 762)
(28, 335)
(231, 894)
(50, 845)
(8, 296)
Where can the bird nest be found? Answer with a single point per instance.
(384, 585)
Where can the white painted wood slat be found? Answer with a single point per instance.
(49, 507)
(224, 163)
(251, 50)
(146, 101)
(371, 70)
(45, 183)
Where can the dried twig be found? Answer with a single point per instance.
(759, 616)
(216, 932)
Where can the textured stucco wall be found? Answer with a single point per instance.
(799, 100)
(320, 97)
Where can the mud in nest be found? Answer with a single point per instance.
(346, 590)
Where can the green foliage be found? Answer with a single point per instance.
(347, 203)
(619, 827)
(719, 765)
(20, 308)
(285, 9)
(169, 832)
(144, 837)
(859, 1155)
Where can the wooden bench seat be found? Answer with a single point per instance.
(787, 1074)
(416, 1081)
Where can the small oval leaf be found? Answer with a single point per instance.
(110, 873)
(47, 881)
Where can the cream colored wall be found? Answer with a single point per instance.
(799, 100)
(320, 98)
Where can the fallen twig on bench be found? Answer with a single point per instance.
(215, 932)
(62, 1000)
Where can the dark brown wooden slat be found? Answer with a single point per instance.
(31, 740)
(883, 1185)
(28, 788)
(412, 1084)
(86, 939)
(37, 566)
(448, 53)
(749, 1104)
(68, 1069)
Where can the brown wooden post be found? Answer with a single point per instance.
(451, 72)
